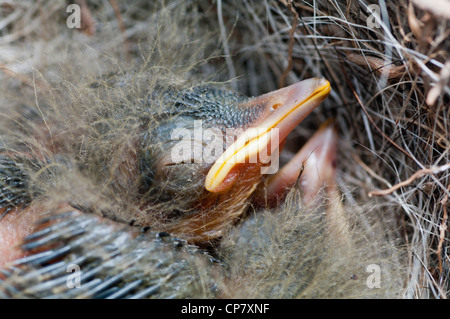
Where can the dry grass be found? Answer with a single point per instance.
(391, 102)
(390, 81)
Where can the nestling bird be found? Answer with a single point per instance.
(138, 184)
(171, 201)
(206, 195)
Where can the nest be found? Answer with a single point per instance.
(388, 64)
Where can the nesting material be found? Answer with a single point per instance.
(75, 91)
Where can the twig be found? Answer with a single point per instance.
(291, 45)
(122, 27)
(442, 230)
(87, 21)
(226, 48)
(420, 173)
(22, 78)
(298, 5)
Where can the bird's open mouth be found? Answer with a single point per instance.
(284, 109)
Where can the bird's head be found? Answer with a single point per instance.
(210, 149)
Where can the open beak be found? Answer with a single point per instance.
(283, 110)
(316, 162)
